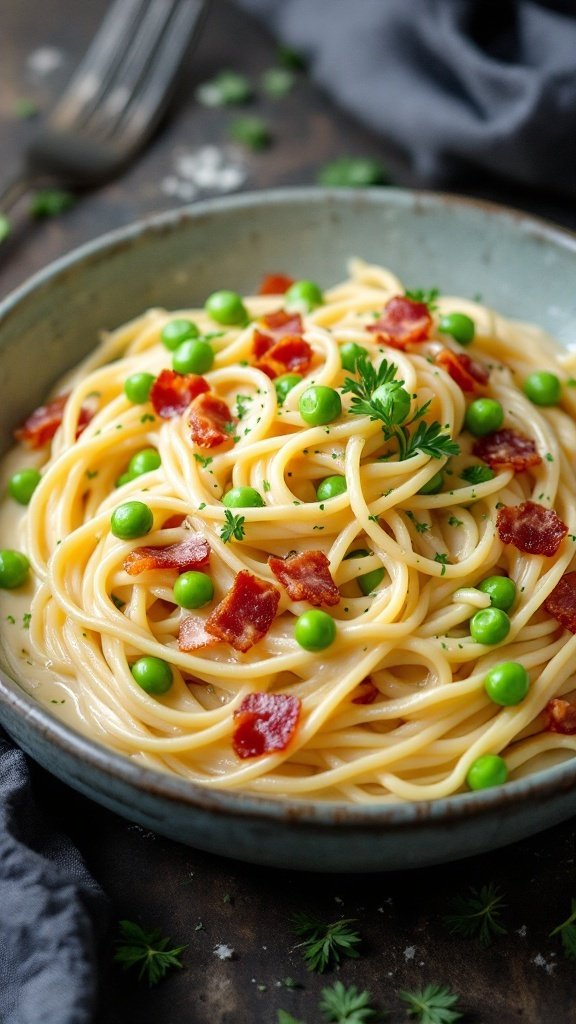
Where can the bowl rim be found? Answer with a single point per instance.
(339, 814)
(172, 219)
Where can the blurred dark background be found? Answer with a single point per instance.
(471, 97)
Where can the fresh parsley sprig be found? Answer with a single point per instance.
(369, 378)
(567, 933)
(341, 1005)
(149, 951)
(378, 393)
(428, 438)
(432, 1005)
(324, 945)
(476, 915)
(426, 295)
(233, 527)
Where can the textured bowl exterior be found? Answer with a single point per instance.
(524, 268)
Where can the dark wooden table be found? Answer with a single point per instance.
(202, 900)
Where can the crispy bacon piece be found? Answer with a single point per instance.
(39, 428)
(561, 715)
(245, 615)
(192, 635)
(469, 374)
(171, 392)
(531, 528)
(366, 692)
(275, 284)
(289, 355)
(306, 577)
(265, 723)
(281, 349)
(281, 322)
(403, 322)
(208, 418)
(261, 343)
(507, 449)
(188, 554)
(561, 602)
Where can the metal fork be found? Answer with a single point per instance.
(114, 100)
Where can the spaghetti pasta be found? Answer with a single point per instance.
(332, 508)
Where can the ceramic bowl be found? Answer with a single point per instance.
(523, 267)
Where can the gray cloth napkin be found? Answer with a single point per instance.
(457, 88)
(52, 913)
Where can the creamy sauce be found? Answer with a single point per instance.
(18, 659)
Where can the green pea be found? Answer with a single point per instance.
(153, 674)
(434, 484)
(331, 487)
(459, 326)
(194, 356)
(243, 497)
(489, 626)
(137, 387)
(484, 416)
(350, 352)
(370, 581)
(394, 399)
(303, 296)
(22, 485)
(542, 388)
(357, 553)
(193, 590)
(319, 405)
(14, 569)
(315, 630)
(125, 478)
(507, 684)
(143, 461)
(226, 307)
(132, 519)
(502, 591)
(284, 384)
(177, 331)
(487, 771)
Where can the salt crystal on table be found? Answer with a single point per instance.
(541, 962)
(223, 952)
(231, 177)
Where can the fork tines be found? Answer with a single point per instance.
(122, 82)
